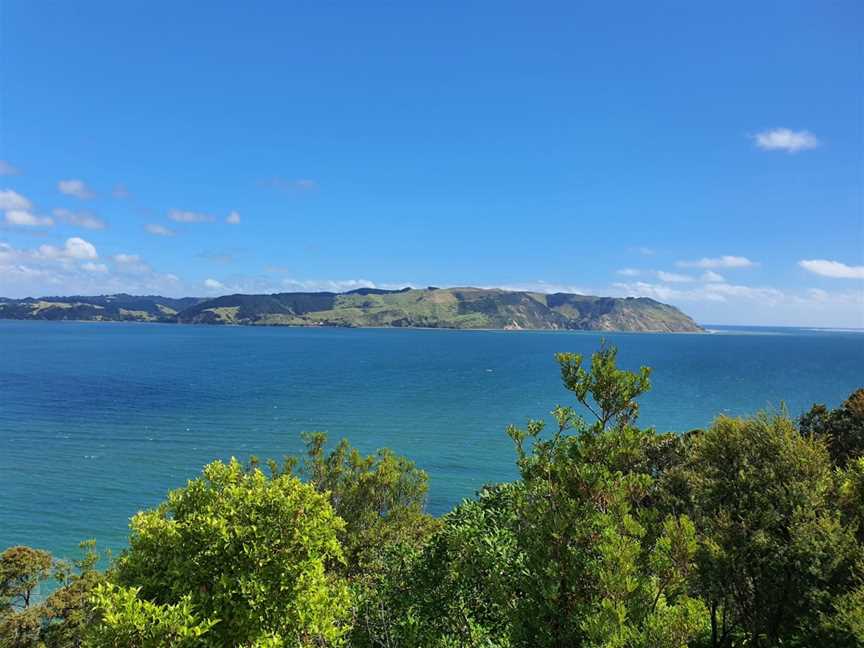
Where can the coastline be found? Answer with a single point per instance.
(704, 331)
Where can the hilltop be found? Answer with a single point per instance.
(457, 308)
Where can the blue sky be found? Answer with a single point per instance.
(708, 155)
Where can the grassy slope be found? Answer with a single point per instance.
(463, 308)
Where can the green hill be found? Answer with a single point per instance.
(459, 308)
(110, 308)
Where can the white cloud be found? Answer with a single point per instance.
(718, 262)
(130, 264)
(212, 284)
(86, 220)
(709, 292)
(18, 210)
(671, 277)
(70, 270)
(126, 258)
(233, 218)
(74, 248)
(628, 272)
(327, 285)
(833, 269)
(765, 295)
(12, 200)
(712, 277)
(660, 292)
(78, 248)
(158, 230)
(76, 188)
(722, 302)
(783, 139)
(7, 169)
(182, 216)
(541, 286)
(24, 218)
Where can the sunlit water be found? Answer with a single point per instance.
(98, 421)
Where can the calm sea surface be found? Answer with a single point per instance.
(98, 421)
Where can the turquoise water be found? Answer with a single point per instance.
(98, 421)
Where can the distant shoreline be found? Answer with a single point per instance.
(435, 308)
(708, 329)
(337, 327)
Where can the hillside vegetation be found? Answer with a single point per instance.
(749, 534)
(459, 308)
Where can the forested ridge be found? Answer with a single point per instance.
(749, 533)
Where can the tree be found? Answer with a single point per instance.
(60, 619)
(606, 391)
(592, 573)
(561, 556)
(245, 555)
(21, 571)
(68, 611)
(381, 498)
(454, 591)
(774, 549)
(842, 429)
(850, 496)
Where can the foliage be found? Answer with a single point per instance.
(125, 620)
(380, 497)
(851, 496)
(244, 550)
(613, 391)
(774, 549)
(60, 619)
(455, 591)
(21, 571)
(843, 625)
(559, 558)
(842, 429)
(593, 575)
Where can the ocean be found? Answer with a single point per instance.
(100, 420)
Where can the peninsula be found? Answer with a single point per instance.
(454, 308)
